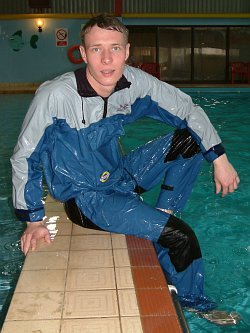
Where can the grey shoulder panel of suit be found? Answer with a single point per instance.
(175, 102)
(47, 104)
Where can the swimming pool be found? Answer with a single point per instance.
(220, 223)
(12, 110)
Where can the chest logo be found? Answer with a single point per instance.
(123, 108)
(104, 176)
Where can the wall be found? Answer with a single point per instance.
(30, 64)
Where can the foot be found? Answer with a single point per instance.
(221, 318)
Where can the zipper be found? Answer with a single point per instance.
(105, 109)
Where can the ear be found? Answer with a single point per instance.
(83, 53)
(127, 51)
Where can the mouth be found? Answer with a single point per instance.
(107, 72)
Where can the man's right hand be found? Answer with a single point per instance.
(34, 232)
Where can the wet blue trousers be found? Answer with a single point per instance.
(126, 213)
(178, 176)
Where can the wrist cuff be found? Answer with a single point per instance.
(214, 153)
(30, 215)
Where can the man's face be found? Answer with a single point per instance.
(105, 53)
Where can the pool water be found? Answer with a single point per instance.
(221, 224)
(12, 111)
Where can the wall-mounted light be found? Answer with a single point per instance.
(39, 24)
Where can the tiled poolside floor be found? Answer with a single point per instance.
(89, 281)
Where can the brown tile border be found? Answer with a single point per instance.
(160, 324)
(157, 310)
(149, 277)
(18, 87)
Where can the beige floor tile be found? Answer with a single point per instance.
(121, 257)
(63, 217)
(54, 206)
(60, 228)
(32, 306)
(49, 198)
(90, 279)
(131, 325)
(89, 304)
(46, 260)
(59, 216)
(64, 228)
(60, 243)
(96, 325)
(124, 278)
(37, 281)
(91, 259)
(77, 230)
(91, 242)
(119, 241)
(128, 302)
(34, 326)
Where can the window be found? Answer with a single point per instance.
(209, 54)
(143, 45)
(175, 54)
(190, 54)
(239, 49)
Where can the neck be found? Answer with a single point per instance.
(101, 90)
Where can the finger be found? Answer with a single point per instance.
(33, 244)
(235, 184)
(47, 238)
(23, 240)
(26, 244)
(217, 187)
(224, 191)
(231, 187)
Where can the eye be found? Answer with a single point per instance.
(116, 48)
(95, 49)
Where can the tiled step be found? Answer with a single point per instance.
(90, 281)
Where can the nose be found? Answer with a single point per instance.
(106, 57)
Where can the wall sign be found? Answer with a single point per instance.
(61, 37)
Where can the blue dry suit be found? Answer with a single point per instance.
(70, 134)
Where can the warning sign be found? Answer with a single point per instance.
(61, 37)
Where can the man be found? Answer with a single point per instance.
(71, 132)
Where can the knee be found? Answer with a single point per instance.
(181, 242)
(182, 144)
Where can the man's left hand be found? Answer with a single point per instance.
(225, 176)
